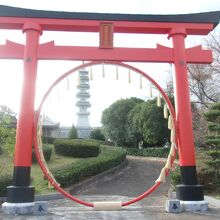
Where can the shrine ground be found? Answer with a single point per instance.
(121, 184)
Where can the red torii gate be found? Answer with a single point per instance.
(34, 22)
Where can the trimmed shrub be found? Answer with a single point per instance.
(76, 148)
(149, 152)
(80, 170)
(5, 180)
(48, 140)
(47, 151)
(107, 143)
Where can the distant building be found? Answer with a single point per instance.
(50, 128)
(64, 132)
(82, 125)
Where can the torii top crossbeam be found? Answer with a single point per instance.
(106, 25)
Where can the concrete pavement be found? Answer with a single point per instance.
(129, 181)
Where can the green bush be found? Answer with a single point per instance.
(48, 140)
(213, 142)
(215, 154)
(5, 180)
(97, 134)
(72, 133)
(149, 152)
(1, 151)
(99, 142)
(76, 148)
(76, 172)
(47, 151)
(175, 177)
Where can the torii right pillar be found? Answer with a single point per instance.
(188, 191)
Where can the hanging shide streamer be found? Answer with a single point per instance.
(129, 75)
(150, 91)
(172, 149)
(158, 100)
(165, 111)
(49, 186)
(170, 122)
(116, 72)
(172, 136)
(103, 70)
(162, 177)
(67, 84)
(78, 79)
(141, 86)
(91, 74)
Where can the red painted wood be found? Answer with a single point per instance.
(93, 25)
(106, 35)
(182, 101)
(24, 135)
(48, 51)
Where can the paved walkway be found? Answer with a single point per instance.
(122, 185)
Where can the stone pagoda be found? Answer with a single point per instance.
(82, 125)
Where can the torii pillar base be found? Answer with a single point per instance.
(194, 206)
(18, 208)
(189, 192)
(191, 198)
(20, 200)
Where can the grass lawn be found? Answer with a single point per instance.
(38, 181)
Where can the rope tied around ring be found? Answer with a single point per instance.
(40, 150)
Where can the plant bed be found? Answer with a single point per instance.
(76, 148)
(76, 172)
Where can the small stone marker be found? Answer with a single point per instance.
(173, 205)
(40, 208)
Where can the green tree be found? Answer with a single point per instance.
(147, 125)
(72, 133)
(97, 134)
(115, 121)
(213, 139)
(7, 133)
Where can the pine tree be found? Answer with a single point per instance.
(213, 139)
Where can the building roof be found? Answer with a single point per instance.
(47, 122)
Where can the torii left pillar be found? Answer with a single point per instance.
(20, 196)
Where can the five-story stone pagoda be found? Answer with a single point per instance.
(82, 124)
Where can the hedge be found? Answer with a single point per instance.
(149, 152)
(76, 148)
(76, 172)
(48, 140)
(5, 180)
(1, 151)
(47, 151)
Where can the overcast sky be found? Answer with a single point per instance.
(103, 90)
(120, 6)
